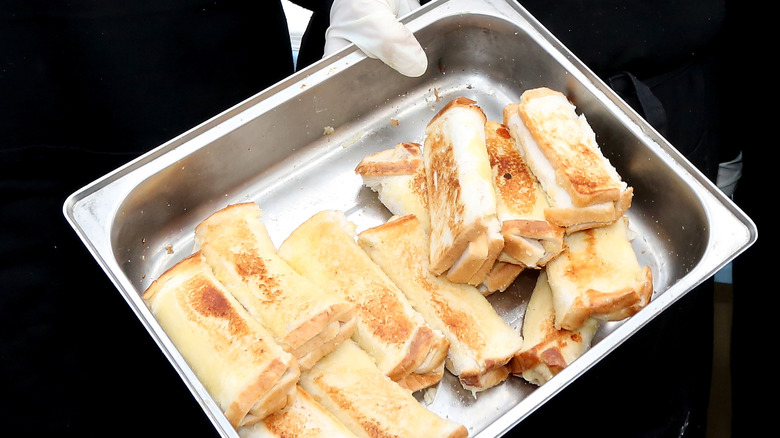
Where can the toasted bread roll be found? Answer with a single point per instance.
(306, 319)
(481, 342)
(598, 275)
(547, 350)
(234, 356)
(404, 346)
(500, 277)
(465, 236)
(349, 385)
(529, 239)
(398, 177)
(583, 188)
(304, 418)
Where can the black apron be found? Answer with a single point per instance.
(86, 86)
(661, 57)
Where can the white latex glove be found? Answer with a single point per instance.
(373, 26)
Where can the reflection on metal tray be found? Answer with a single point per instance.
(277, 149)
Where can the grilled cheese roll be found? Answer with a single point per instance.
(397, 175)
(241, 366)
(304, 418)
(529, 239)
(481, 342)
(404, 346)
(598, 275)
(306, 319)
(465, 236)
(547, 350)
(349, 385)
(583, 188)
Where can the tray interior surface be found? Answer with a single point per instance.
(281, 157)
(284, 160)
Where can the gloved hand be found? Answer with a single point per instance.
(373, 26)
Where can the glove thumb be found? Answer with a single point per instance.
(374, 28)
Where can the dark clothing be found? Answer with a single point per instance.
(662, 57)
(669, 47)
(86, 86)
(127, 76)
(751, 414)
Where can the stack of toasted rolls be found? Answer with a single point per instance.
(336, 329)
(533, 191)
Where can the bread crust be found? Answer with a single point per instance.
(520, 236)
(546, 350)
(417, 381)
(247, 373)
(570, 146)
(598, 215)
(348, 384)
(530, 239)
(397, 175)
(470, 260)
(340, 326)
(598, 275)
(610, 306)
(481, 343)
(305, 418)
(457, 176)
(403, 159)
(495, 243)
(323, 249)
(560, 148)
(500, 277)
(238, 248)
(279, 398)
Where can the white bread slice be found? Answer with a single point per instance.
(305, 318)
(547, 350)
(481, 342)
(530, 239)
(404, 346)
(349, 385)
(397, 175)
(559, 146)
(304, 418)
(464, 232)
(598, 275)
(235, 358)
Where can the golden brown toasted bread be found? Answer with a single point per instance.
(500, 277)
(306, 319)
(397, 175)
(559, 146)
(481, 342)
(547, 350)
(465, 236)
(349, 385)
(598, 275)
(233, 355)
(530, 239)
(403, 345)
(304, 418)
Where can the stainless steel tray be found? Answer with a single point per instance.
(273, 149)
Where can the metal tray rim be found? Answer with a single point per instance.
(91, 209)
